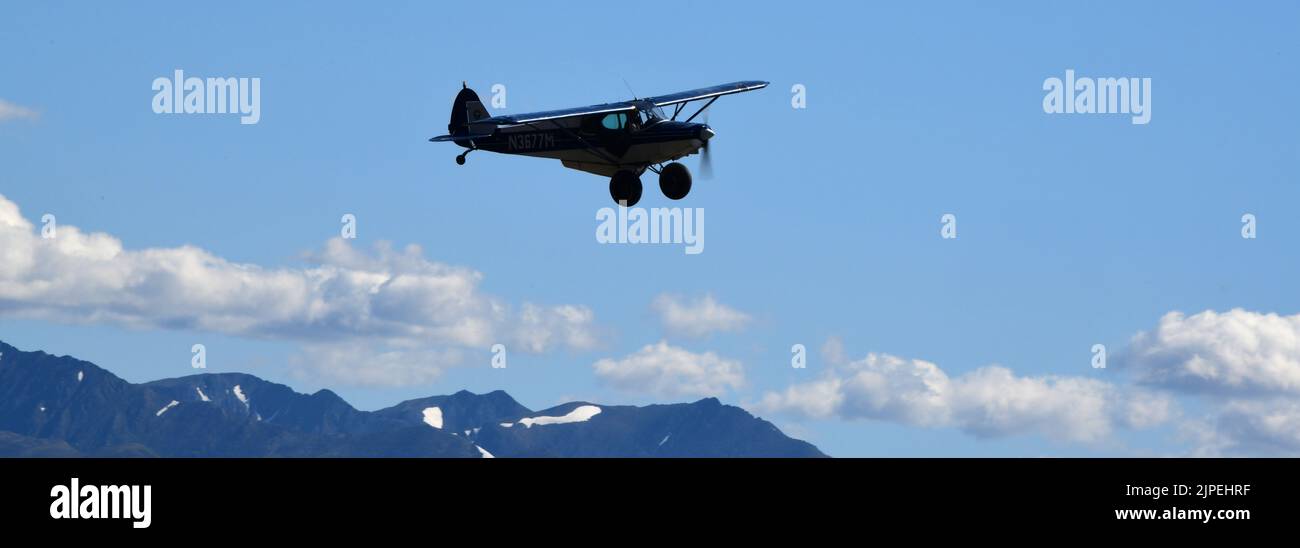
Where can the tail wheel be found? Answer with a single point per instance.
(675, 181)
(625, 188)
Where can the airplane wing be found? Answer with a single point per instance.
(627, 106)
(706, 93)
(554, 114)
(671, 99)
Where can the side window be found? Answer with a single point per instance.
(614, 121)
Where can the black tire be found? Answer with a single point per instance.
(625, 186)
(675, 181)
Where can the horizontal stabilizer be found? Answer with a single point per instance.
(469, 137)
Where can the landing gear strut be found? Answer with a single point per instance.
(625, 188)
(675, 181)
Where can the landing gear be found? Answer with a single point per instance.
(675, 181)
(460, 159)
(625, 188)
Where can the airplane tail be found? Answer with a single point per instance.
(466, 109)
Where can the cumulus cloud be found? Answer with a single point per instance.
(697, 317)
(539, 328)
(988, 402)
(1238, 352)
(1269, 427)
(1245, 365)
(670, 371)
(10, 111)
(399, 300)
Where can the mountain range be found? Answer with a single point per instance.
(59, 406)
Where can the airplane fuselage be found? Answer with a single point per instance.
(588, 145)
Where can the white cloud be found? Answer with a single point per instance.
(10, 111)
(698, 317)
(988, 402)
(880, 386)
(539, 328)
(395, 302)
(992, 402)
(1245, 364)
(670, 371)
(1231, 353)
(1268, 427)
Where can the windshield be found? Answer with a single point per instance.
(648, 112)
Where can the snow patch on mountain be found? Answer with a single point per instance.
(239, 393)
(484, 452)
(202, 396)
(174, 403)
(433, 417)
(581, 413)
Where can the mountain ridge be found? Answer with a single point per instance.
(66, 407)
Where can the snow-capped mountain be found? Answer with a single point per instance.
(62, 406)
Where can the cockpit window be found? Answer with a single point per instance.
(614, 121)
(647, 117)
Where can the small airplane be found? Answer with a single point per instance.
(616, 140)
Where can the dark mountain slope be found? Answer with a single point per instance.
(226, 415)
(62, 406)
(705, 428)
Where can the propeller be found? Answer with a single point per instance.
(706, 165)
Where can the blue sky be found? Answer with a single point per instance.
(821, 223)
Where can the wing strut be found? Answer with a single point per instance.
(706, 105)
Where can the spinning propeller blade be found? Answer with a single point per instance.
(706, 165)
